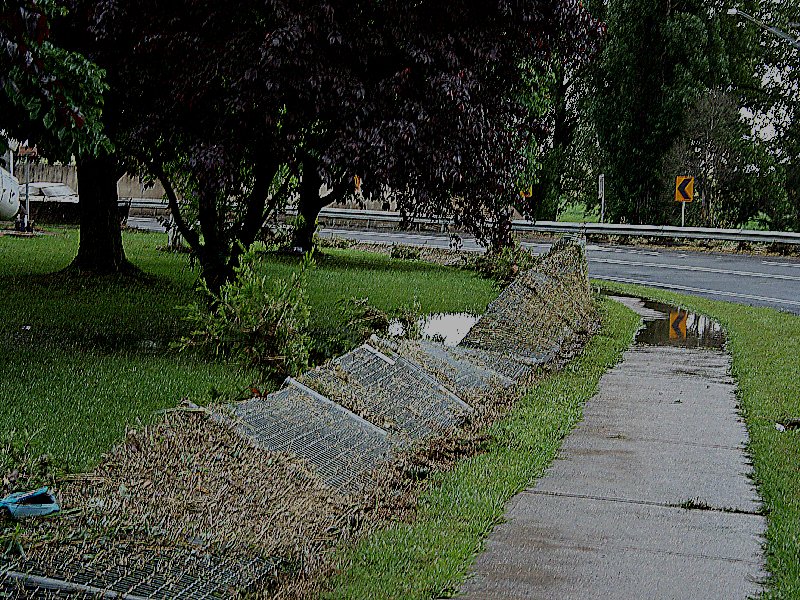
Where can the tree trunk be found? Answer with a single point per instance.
(100, 250)
(216, 271)
(215, 252)
(308, 207)
(501, 235)
(544, 208)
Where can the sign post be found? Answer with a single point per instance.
(27, 218)
(27, 152)
(684, 192)
(601, 193)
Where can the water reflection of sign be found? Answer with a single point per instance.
(677, 325)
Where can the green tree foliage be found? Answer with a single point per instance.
(717, 148)
(659, 56)
(779, 107)
(645, 111)
(53, 96)
(47, 94)
(563, 166)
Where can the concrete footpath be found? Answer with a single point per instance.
(649, 497)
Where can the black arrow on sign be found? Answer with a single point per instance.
(676, 324)
(682, 188)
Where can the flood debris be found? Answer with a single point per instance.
(187, 497)
(788, 425)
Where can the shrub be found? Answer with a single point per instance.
(403, 252)
(280, 237)
(409, 316)
(503, 266)
(259, 323)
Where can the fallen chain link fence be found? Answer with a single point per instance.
(345, 420)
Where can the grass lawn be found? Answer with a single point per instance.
(81, 359)
(765, 345)
(430, 557)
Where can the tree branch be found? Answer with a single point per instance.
(189, 234)
(257, 201)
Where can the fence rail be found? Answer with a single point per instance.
(374, 217)
(666, 231)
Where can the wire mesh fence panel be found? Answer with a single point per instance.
(452, 367)
(391, 392)
(342, 447)
(344, 419)
(157, 575)
(499, 362)
(540, 311)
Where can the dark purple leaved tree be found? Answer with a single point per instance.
(229, 105)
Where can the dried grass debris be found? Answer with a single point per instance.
(191, 485)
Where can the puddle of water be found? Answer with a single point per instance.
(450, 328)
(666, 325)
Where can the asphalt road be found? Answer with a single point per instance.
(746, 279)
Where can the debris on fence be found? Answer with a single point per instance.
(185, 508)
(342, 447)
(539, 311)
(391, 391)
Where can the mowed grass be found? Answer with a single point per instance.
(765, 345)
(83, 358)
(429, 557)
(388, 284)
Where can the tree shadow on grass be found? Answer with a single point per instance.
(108, 314)
(358, 259)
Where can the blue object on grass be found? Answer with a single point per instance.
(38, 503)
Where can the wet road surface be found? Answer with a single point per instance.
(746, 279)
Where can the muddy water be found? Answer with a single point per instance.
(666, 325)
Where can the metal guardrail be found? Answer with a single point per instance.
(667, 231)
(697, 233)
(377, 217)
(150, 203)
